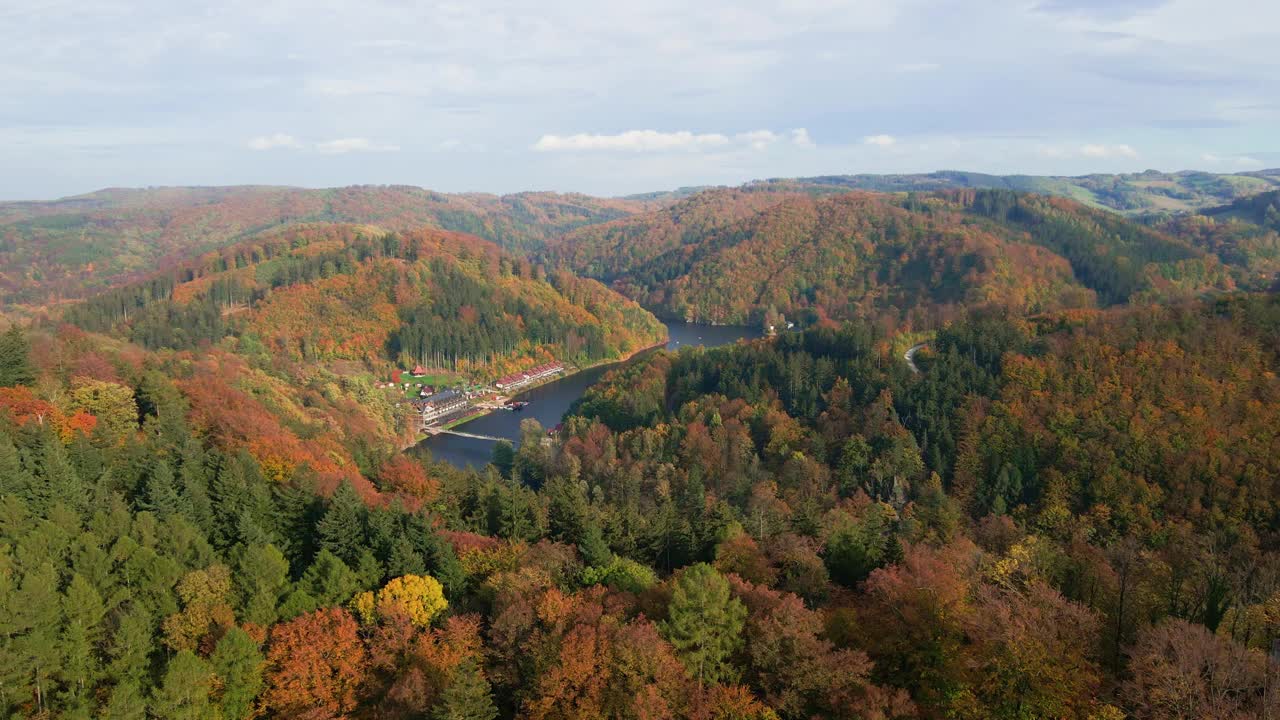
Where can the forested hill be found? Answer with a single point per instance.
(73, 247)
(326, 292)
(1128, 194)
(910, 259)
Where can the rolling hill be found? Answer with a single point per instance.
(326, 292)
(71, 248)
(862, 254)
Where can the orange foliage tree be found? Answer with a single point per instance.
(318, 666)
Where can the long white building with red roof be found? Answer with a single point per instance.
(532, 375)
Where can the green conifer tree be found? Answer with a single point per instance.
(468, 696)
(341, 530)
(704, 623)
(15, 358)
(238, 664)
(83, 610)
(184, 693)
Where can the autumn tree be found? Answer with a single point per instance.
(317, 666)
(1179, 670)
(421, 597)
(205, 597)
(113, 404)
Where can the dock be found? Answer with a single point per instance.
(441, 431)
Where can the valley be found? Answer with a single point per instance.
(900, 443)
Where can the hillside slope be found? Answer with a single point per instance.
(339, 292)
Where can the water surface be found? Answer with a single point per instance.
(548, 403)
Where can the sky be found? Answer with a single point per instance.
(613, 98)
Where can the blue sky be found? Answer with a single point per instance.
(613, 98)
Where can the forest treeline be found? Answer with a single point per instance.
(1072, 516)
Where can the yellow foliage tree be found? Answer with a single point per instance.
(362, 606)
(421, 597)
(205, 606)
(113, 404)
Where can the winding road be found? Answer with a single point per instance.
(910, 356)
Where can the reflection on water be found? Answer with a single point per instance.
(548, 403)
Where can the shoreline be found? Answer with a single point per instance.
(420, 436)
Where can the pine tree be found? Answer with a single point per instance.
(14, 479)
(341, 529)
(131, 646)
(126, 702)
(193, 481)
(83, 610)
(504, 457)
(239, 665)
(468, 697)
(161, 492)
(296, 510)
(15, 358)
(56, 479)
(515, 515)
(442, 561)
(35, 617)
(705, 623)
(262, 575)
(241, 502)
(595, 551)
(405, 559)
(184, 694)
(329, 580)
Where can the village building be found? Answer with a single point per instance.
(446, 402)
(518, 380)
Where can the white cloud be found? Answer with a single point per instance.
(632, 141)
(1246, 161)
(757, 139)
(354, 144)
(684, 140)
(918, 67)
(278, 140)
(879, 140)
(800, 138)
(1108, 151)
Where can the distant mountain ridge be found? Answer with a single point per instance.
(75, 246)
(1130, 193)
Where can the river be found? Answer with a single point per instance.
(548, 403)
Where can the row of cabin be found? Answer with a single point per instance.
(518, 380)
(445, 402)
